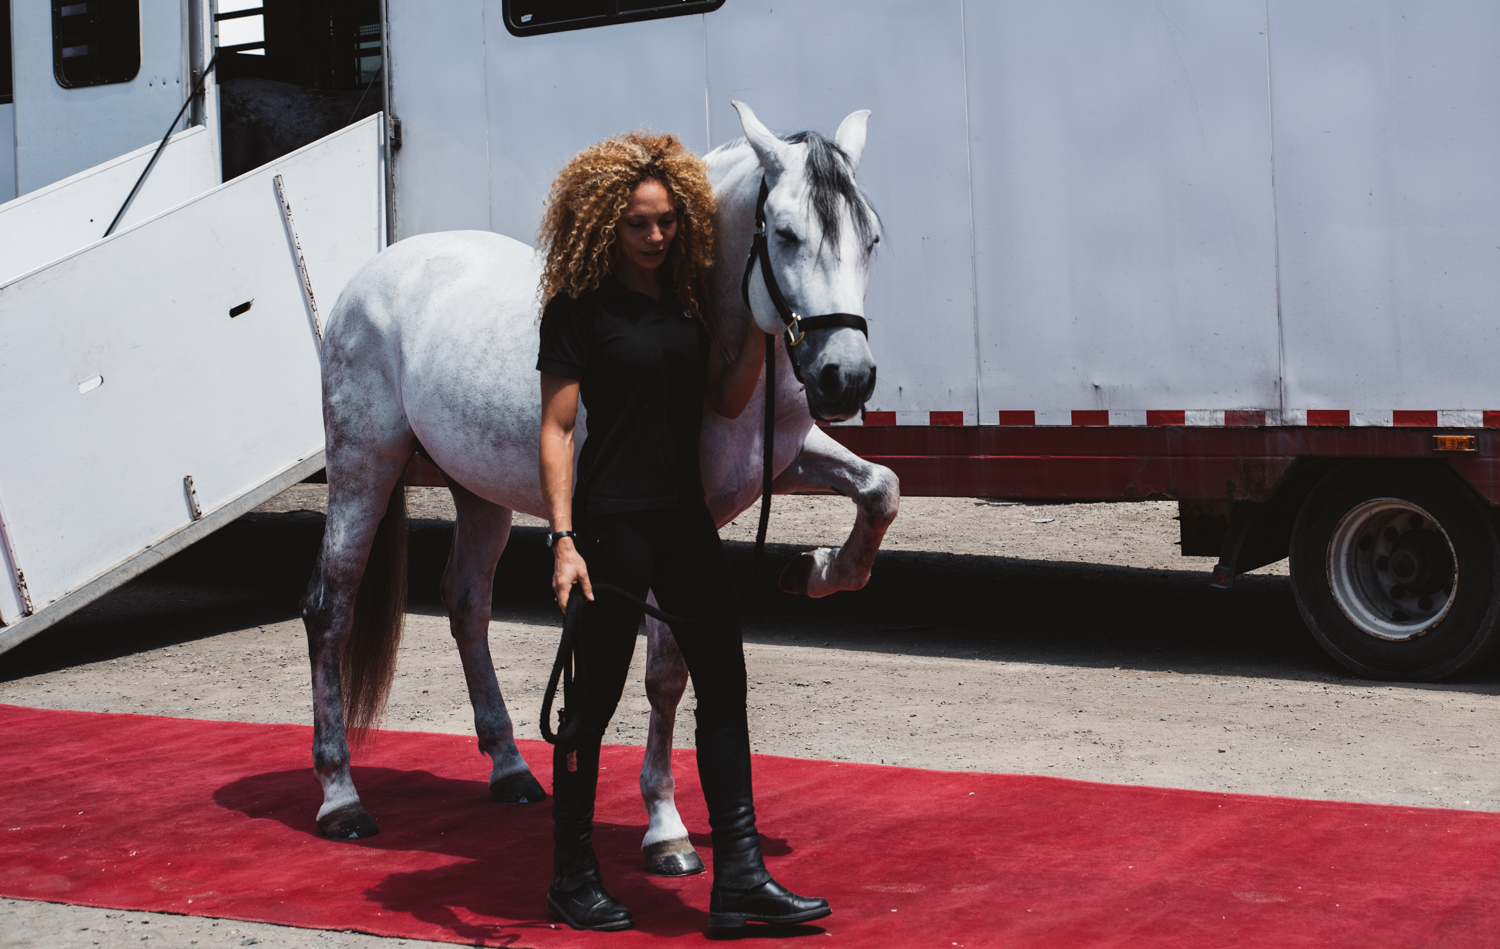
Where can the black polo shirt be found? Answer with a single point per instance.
(641, 365)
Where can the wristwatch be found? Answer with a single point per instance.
(556, 536)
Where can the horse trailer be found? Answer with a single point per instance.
(1239, 255)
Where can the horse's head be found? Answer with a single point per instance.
(820, 232)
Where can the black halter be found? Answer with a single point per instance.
(797, 325)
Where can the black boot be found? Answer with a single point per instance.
(743, 891)
(577, 896)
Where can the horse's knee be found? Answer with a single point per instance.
(880, 496)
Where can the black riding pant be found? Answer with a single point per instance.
(675, 553)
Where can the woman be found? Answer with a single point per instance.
(628, 236)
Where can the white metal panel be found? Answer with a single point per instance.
(1124, 233)
(62, 131)
(552, 95)
(90, 478)
(1388, 197)
(809, 64)
(436, 60)
(68, 215)
(7, 151)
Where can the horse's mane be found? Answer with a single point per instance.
(830, 184)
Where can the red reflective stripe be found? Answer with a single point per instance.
(1166, 417)
(945, 418)
(1423, 419)
(1017, 418)
(1090, 416)
(880, 418)
(1492, 419)
(1328, 416)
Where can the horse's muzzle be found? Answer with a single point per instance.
(838, 391)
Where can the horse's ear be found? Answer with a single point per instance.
(851, 136)
(771, 150)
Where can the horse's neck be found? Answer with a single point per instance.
(735, 176)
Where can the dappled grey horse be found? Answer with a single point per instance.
(432, 348)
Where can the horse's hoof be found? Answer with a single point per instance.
(796, 576)
(672, 858)
(350, 822)
(519, 788)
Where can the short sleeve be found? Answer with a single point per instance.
(564, 338)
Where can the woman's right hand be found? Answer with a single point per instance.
(568, 568)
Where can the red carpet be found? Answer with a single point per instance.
(216, 819)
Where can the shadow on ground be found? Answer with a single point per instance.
(254, 571)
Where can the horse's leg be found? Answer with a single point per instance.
(876, 493)
(479, 536)
(667, 849)
(360, 487)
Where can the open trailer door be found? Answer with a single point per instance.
(160, 382)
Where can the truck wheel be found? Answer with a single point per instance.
(1395, 568)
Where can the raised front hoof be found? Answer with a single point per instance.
(519, 788)
(797, 575)
(672, 858)
(350, 822)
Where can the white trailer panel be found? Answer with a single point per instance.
(92, 472)
(1124, 238)
(50, 222)
(1388, 197)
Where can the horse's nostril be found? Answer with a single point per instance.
(869, 387)
(828, 379)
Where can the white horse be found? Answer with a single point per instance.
(432, 348)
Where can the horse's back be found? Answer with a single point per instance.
(398, 287)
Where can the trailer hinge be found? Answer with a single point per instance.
(395, 133)
(291, 233)
(192, 497)
(26, 607)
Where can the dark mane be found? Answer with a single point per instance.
(830, 183)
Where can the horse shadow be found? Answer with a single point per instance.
(457, 858)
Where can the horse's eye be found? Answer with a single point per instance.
(788, 236)
(876, 240)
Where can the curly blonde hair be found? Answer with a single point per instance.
(589, 196)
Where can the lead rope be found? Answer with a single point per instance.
(562, 666)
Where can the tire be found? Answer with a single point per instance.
(1395, 567)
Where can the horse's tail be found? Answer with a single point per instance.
(368, 665)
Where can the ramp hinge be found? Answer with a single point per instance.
(192, 497)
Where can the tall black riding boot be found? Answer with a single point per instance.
(577, 896)
(743, 891)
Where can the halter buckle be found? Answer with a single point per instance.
(794, 332)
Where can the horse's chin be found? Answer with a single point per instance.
(831, 416)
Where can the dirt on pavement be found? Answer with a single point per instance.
(1059, 639)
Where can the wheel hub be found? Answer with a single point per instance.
(1392, 569)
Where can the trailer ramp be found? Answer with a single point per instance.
(156, 384)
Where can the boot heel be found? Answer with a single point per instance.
(726, 920)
